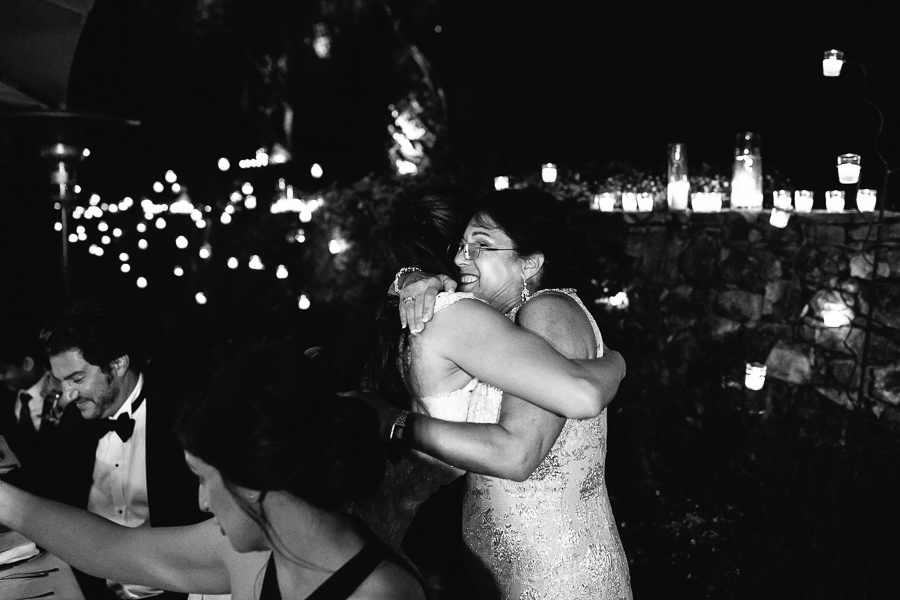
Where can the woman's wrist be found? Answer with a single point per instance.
(398, 279)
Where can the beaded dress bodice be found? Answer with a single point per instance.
(552, 536)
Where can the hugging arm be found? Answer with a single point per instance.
(516, 445)
(423, 288)
(186, 559)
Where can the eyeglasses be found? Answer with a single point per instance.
(471, 250)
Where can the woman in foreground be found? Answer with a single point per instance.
(278, 455)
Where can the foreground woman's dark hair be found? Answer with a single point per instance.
(272, 421)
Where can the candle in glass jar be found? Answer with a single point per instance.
(803, 201)
(605, 202)
(548, 173)
(706, 201)
(832, 63)
(629, 201)
(782, 199)
(779, 218)
(678, 194)
(755, 376)
(865, 200)
(848, 168)
(834, 200)
(645, 202)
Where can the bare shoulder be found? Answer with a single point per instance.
(553, 307)
(561, 320)
(390, 581)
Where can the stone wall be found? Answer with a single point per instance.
(809, 300)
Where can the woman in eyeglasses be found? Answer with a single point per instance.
(551, 535)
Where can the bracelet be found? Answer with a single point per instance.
(401, 273)
(398, 426)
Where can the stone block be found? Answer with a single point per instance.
(824, 234)
(866, 233)
(721, 327)
(783, 299)
(844, 398)
(790, 362)
(886, 384)
(740, 304)
(861, 265)
(845, 340)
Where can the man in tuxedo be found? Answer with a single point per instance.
(119, 456)
(28, 408)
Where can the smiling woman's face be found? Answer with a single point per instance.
(216, 498)
(496, 275)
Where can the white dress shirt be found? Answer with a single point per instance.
(119, 489)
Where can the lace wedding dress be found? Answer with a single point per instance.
(552, 536)
(411, 480)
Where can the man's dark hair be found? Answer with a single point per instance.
(101, 331)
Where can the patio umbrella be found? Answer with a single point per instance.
(37, 45)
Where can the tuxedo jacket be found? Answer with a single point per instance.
(171, 487)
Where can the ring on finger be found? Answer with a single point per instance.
(408, 299)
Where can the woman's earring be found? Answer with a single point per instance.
(526, 295)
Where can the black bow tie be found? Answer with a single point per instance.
(123, 426)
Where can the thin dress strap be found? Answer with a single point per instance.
(342, 582)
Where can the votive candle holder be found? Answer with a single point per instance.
(706, 201)
(629, 201)
(782, 199)
(803, 201)
(865, 200)
(834, 200)
(604, 202)
(832, 63)
(848, 168)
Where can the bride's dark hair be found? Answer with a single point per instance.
(422, 230)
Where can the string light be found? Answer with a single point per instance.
(160, 223)
(57, 226)
(316, 171)
(158, 187)
(200, 297)
(181, 242)
(256, 263)
(224, 164)
(232, 263)
(171, 177)
(125, 268)
(102, 226)
(178, 271)
(205, 251)
(142, 244)
(141, 282)
(281, 272)
(303, 302)
(123, 256)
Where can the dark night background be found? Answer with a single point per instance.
(584, 84)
